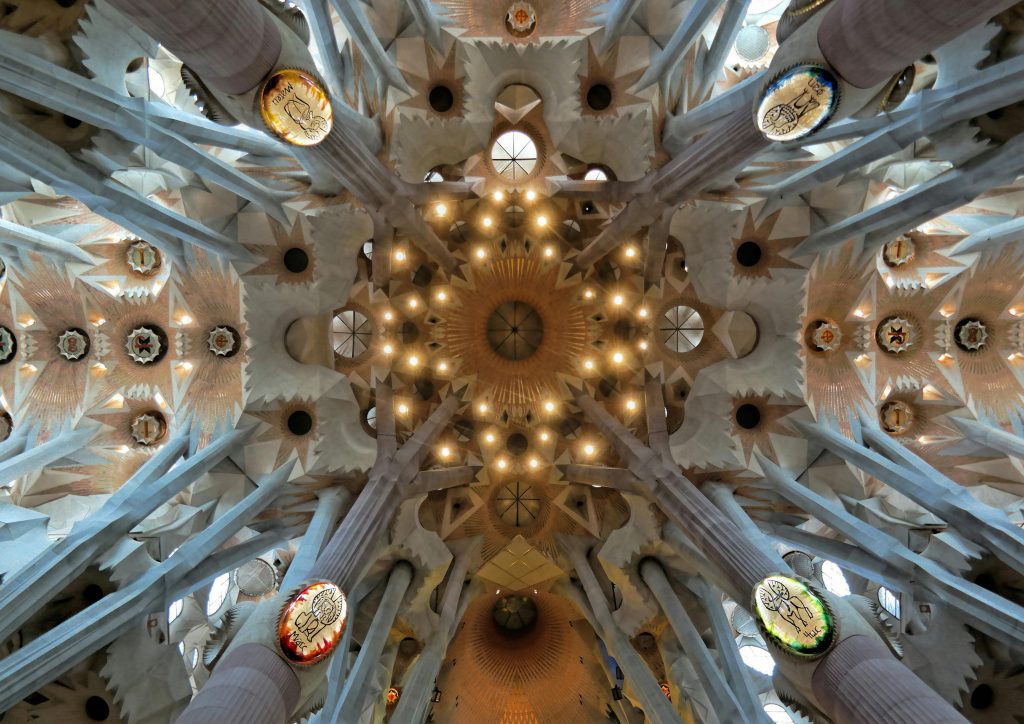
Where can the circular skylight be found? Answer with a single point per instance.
(514, 155)
(682, 329)
(351, 332)
(834, 579)
(596, 174)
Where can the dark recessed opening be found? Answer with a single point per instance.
(441, 98)
(35, 699)
(587, 207)
(424, 389)
(66, 3)
(71, 122)
(517, 443)
(422, 276)
(97, 708)
(92, 593)
(748, 253)
(982, 697)
(464, 428)
(599, 97)
(296, 260)
(300, 422)
(986, 581)
(748, 416)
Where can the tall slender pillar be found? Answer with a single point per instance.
(325, 519)
(350, 702)
(715, 686)
(412, 707)
(656, 705)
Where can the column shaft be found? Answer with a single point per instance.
(869, 41)
(319, 530)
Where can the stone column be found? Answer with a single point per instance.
(324, 521)
(349, 703)
(656, 705)
(869, 41)
(230, 62)
(715, 686)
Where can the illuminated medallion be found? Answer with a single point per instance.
(793, 617)
(145, 345)
(8, 345)
(896, 417)
(223, 341)
(312, 622)
(797, 103)
(970, 335)
(6, 425)
(898, 252)
(521, 19)
(73, 344)
(143, 258)
(148, 428)
(895, 335)
(295, 106)
(826, 336)
(392, 696)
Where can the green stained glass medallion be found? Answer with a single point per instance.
(793, 616)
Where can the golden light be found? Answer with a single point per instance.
(186, 364)
(630, 252)
(618, 358)
(388, 349)
(502, 463)
(388, 316)
(101, 321)
(549, 251)
(549, 406)
(643, 344)
(544, 436)
(1014, 311)
(487, 221)
(542, 220)
(534, 463)
(99, 366)
(588, 294)
(860, 313)
(399, 255)
(442, 295)
(588, 364)
(489, 437)
(440, 209)
(445, 452)
(531, 195)
(631, 404)
(403, 409)
(618, 300)
(482, 408)
(589, 449)
(185, 319)
(643, 312)
(442, 366)
(413, 361)
(481, 253)
(498, 196)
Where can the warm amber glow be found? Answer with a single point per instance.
(542, 220)
(549, 251)
(643, 344)
(413, 303)
(618, 358)
(482, 408)
(489, 437)
(618, 300)
(630, 252)
(630, 405)
(502, 463)
(534, 463)
(487, 221)
(445, 452)
(549, 406)
(588, 294)
(403, 409)
(388, 349)
(442, 295)
(643, 312)
(440, 209)
(498, 196)
(589, 449)
(531, 195)
(399, 255)
(388, 316)
(481, 253)
(588, 364)
(413, 361)
(442, 366)
(544, 436)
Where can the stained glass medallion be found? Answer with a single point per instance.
(793, 616)
(311, 623)
(799, 101)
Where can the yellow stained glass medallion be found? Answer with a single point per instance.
(295, 106)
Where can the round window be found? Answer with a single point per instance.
(514, 155)
(351, 332)
(682, 329)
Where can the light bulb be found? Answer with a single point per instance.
(618, 357)
(531, 195)
(440, 209)
(399, 255)
(542, 221)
